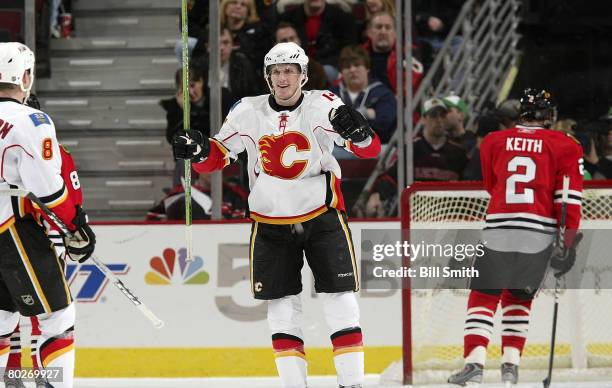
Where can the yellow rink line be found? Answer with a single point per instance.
(210, 362)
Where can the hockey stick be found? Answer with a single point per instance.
(561, 243)
(158, 323)
(186, 125)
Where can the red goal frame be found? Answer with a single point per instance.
(405, 225)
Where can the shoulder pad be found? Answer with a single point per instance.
(572, 137)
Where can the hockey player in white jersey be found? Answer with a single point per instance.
(32, 281)
(296, 206)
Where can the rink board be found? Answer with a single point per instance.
(214, 327)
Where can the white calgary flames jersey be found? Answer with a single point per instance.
(293, 175)
(30, 160)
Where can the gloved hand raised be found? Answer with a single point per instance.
(190, 145)
(350, 124)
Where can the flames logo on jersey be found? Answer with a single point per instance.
(273, 148)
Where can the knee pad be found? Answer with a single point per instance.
(57, 322)
(8, 322)
(285, 315)
(341, 311)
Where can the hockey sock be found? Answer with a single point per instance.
(14, 358)
(8, 321)
(348, 356)
(342, 316)
(290, 360)
(284, 318)
(478, 326)
(56, 344)
(34, 341)
(515, 324)
(5, 348)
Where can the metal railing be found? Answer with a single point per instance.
(477, 70)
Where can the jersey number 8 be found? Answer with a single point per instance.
(74, 179)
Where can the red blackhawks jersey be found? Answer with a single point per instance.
(523, 170)
(293, 175)
(30, 160)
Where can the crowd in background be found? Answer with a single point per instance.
(352, 51)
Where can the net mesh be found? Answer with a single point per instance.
(584, 335)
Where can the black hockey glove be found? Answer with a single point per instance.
(350, 124)
(190, 145)
(81, 245)
(562, 260)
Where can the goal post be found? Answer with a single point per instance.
(432, 336)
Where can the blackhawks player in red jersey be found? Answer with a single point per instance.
(523, 171)
(73, 185)
(296, 206)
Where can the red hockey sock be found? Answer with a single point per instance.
(14, 358)
(290, 359)
(479, 321)
(515, 321)
(33, 342)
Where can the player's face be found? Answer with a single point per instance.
(356, 77)
(286, 79)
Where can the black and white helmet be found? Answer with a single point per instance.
(537, 105)
(286, 52)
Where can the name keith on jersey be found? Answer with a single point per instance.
(522, 144)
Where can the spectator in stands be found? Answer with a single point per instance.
(436, 158)
(487, 123)
(317, 80)
(199, 95)
(434, 19)
(383, 56)
(375, 6)
(457, 114)
(249, 34)
(326, 29)
(268, 13)
(172, 206)
(598, 159)
(508, 113)
(237, 73)
(197, 25)
(371, 8)
(371, 98)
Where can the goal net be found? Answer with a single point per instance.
(433, 324)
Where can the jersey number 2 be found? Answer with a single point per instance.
(530, 170)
